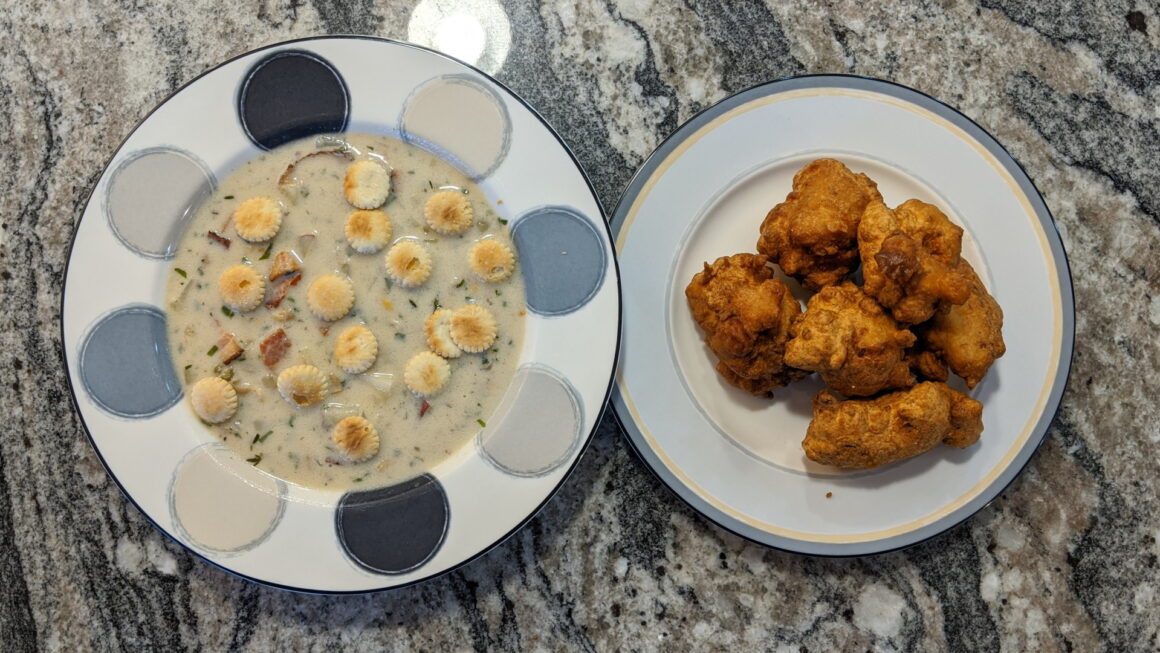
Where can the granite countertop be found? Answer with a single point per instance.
(1065, 559)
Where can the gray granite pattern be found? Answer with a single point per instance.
(1065, 560)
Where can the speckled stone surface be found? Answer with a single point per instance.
(1065, 560)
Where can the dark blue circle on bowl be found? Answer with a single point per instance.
(394, 529)
(125, 364)
(289, 95)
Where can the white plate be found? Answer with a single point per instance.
(231, 513)
(738, 459)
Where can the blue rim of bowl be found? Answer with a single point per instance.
(598, 417)
(1062, 269)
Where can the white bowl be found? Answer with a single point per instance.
(229, 512)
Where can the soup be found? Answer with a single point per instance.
(266, 323)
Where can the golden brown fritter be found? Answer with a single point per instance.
(845, 336)
(926, 364)
(745, 313)
(867, 433)
(967, 337)
(812, 235)
(910, 259)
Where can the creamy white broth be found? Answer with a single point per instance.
(295, 443)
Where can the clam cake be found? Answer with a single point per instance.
(345, 311)
(884, 348)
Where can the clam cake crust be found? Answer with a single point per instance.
(845, 336)
(813, 234)
(910, 259)
(868, 433)
(967, 337)
(745, 313)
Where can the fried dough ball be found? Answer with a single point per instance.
(408, 263)
(367, 231)
(491, 260)
(214, 399)
(448, 212)
(926, 364)
(302, 385)
(367, 184)
(868, 433)
(355, 349)
(241, 288)
(426, 374)
(330, 297)
(845, 336)
(812, 235)
(967, 337)
(472, 328)
(910, 259)
(437, 328)
(356, 438)
(745, 313)
(257, 219)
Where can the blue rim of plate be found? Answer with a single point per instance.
(584, 442)
(632, 431)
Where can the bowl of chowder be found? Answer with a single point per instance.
(341, 314)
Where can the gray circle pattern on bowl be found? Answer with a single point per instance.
(151, 196)
(222, 503)
(563, 259)
(125, 365)
(394, 529)
(460, 118)
(289, 95)
(536, 427)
